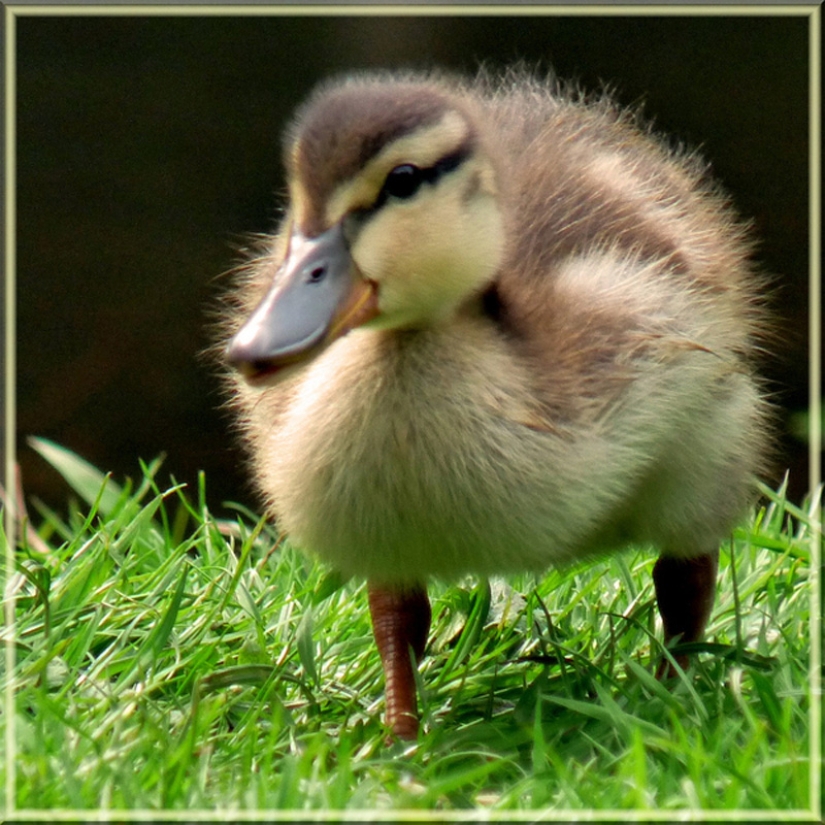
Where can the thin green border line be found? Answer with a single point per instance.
(9, 600)
(815, 407)
(812, 11)
(415, 815)
(408, 10)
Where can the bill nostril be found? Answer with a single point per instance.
(317, 274)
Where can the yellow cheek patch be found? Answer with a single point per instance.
(427, 255)
(422, 148)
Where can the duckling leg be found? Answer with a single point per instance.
(684, 591)
(400, 622)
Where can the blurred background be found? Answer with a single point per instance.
(148, 147)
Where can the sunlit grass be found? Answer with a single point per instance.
(168, 660)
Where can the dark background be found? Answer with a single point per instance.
(148, 146)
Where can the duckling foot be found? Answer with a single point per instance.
(400, 623)
(684, 591)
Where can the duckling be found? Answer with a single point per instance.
(502, 326)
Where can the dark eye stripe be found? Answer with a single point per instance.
(406, 179)
(451, 162)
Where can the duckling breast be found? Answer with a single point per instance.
(404, 457)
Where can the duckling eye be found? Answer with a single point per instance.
(404, 181)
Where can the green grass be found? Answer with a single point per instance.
(169, 660)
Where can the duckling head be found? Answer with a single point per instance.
(395, 221)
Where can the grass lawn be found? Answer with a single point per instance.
(169, 660)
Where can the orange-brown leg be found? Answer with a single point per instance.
(400, 622)
(684, 591)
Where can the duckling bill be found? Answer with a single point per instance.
(500, 327)
(318, 296)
